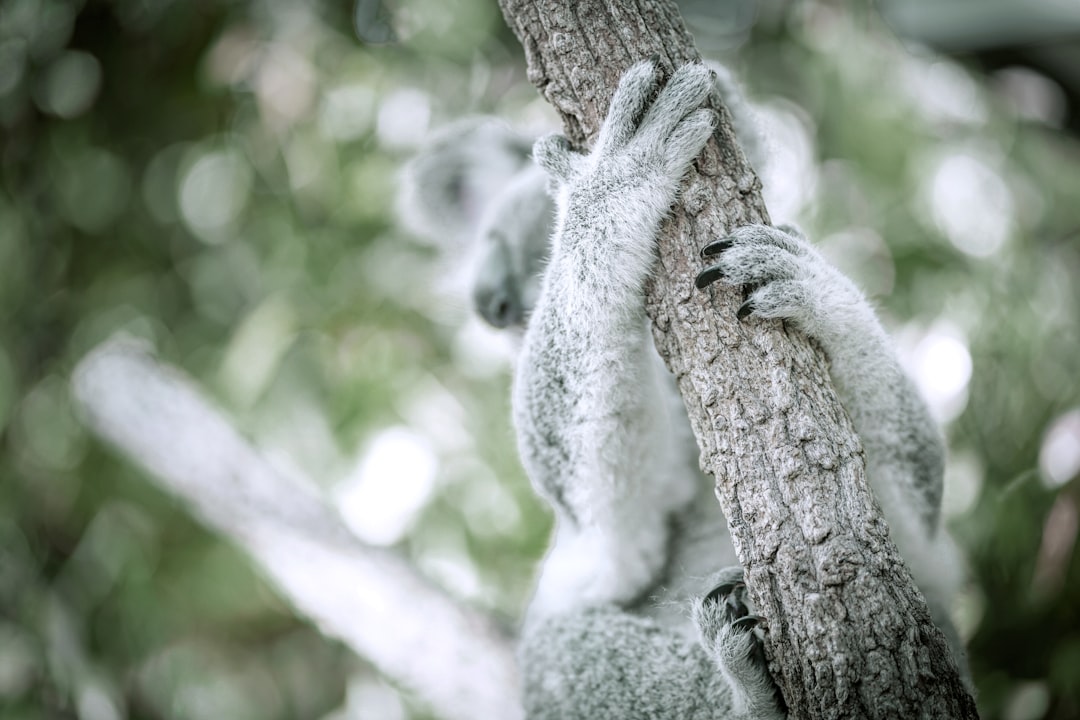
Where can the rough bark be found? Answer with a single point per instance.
(374, 600)
(849, 635)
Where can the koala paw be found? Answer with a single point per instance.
(642, 140)
(781, 275)
(724, 621)
(729, 632)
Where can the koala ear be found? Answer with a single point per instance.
(445, 189)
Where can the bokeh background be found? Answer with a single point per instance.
(218, 178)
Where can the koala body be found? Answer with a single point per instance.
(640, 610)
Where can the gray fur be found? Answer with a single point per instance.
(623, 623)
(513, 246)
(472, 188)
(447, 187)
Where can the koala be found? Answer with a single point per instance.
(640, 609)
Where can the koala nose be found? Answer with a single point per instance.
(500, 307)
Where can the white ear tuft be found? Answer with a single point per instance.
(444, 191)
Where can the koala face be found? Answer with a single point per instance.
(473, 192)
(513, 243)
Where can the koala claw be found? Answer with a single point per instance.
(714, 272)
(745, 310)
(726, 602)
(748, 622)
(716, 247)
(728, 595)
(708, 276)
(719, 593)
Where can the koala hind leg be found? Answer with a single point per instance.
(729, 633)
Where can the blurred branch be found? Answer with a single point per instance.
(372, 599)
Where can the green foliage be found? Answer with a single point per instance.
(217, 177)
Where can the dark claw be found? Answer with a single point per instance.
(745, 309)
(716, 247)
(708, 276)
(747, 622)
(721, 591)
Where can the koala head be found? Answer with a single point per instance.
(473, 191)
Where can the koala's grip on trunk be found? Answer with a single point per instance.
(640, 610)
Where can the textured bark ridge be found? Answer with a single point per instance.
(849, 636)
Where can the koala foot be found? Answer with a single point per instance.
(651, 136)
(729, 633)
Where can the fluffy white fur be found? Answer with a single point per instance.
(623, 623)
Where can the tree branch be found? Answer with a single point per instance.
(372, 599)
(849, 634)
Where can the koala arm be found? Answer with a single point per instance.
(588, 406)
(787, 279)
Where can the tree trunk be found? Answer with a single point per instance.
(849, 636)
